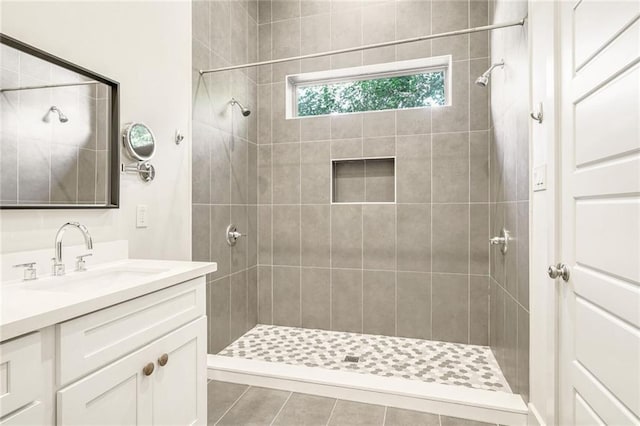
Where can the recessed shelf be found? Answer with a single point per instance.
(364, 180)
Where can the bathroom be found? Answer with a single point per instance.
(330, 212)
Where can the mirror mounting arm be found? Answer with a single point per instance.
(144, 169)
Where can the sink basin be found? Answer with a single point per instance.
(101, 279)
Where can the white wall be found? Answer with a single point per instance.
(146, 46)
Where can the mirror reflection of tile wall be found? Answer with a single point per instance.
(44, 160)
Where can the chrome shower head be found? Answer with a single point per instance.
(483, 80)
(63, 118)
(245, 111)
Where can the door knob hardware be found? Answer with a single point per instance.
(148, 369)
(559, 271)
(163, 360)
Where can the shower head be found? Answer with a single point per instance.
(63, 118)
(245, 111)
(483, 80)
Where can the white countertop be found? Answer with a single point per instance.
(32, 305)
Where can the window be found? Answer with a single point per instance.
(397, 85)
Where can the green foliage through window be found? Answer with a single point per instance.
(408, 91)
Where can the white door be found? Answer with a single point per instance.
(600, 210)
(180, 385)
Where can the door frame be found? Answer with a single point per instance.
(545, 80)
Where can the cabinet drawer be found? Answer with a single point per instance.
(94, 340)
(20, 372)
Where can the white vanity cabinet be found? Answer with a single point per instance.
(124, 393)
(139, 362)
(21, 384)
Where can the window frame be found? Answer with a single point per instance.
(366, 72)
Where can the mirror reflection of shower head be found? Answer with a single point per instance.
(63, 118)
(245, 111)
(483, 80)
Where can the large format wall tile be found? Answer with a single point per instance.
(231, 173)
(346, 300)
(450, 314)
(356, 267)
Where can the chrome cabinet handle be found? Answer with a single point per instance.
(559, 271)
(148, 369)
(163, 360)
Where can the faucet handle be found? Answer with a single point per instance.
(57, 269)
(30, 272)
(81, 264)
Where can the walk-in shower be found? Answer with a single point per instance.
(366, 269)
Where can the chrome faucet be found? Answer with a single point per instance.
(58, 266)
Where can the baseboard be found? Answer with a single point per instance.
(475, 404)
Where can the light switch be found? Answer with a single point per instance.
(142, 216)
(540, 178)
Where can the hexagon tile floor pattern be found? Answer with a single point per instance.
(415, 359)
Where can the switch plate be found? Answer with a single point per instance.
(142, 216)
(540, 178)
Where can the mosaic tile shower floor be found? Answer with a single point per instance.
(415, 359)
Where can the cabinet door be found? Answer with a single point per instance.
(180, 386)
(120, 394)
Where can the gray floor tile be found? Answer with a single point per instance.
(400, 417)
(347, 413)
(220, 396)
(303, 409)
(455, 421)
(258, 406)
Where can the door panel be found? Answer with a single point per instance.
(613, 337)
(180, 385)
(585, 416)
(607, 233)
(595, 141)
(600, 211)
(119, 394)
(604, 403)
(596, 23)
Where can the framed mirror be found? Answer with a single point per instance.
(59, 129)
(139, 141)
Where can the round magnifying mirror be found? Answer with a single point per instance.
(139, 141)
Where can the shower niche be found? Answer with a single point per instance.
(363, 180)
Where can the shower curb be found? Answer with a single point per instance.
(475, 404)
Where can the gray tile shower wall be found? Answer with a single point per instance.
(225, 164)
(509, 186)
(418, 267)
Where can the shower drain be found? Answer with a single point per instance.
(351, 358)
